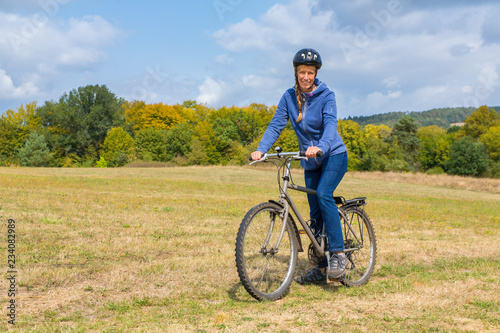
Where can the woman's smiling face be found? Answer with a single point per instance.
(305, 76)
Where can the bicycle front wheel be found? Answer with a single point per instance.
(265, 271)
(360, 246)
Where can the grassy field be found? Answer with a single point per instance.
(152, 250)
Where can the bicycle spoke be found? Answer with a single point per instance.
(265, 272)
(359, 239)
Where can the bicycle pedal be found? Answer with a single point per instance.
(302, 232)
(336, 279)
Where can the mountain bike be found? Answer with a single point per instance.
(268, 239)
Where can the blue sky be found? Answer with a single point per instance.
(379, 56)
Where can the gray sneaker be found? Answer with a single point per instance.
(338, 262)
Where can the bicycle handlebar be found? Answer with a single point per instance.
(296, 155)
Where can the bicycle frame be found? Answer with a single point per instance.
(319, 247)
(286, 202)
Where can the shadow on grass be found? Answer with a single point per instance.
(238, 292)
(304, 265)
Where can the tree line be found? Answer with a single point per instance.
(442, 117)
(91, 127)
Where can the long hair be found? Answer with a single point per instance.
(298, 93)
(299, 99)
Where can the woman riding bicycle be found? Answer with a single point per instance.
(311, 108)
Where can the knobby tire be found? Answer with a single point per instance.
(361, 237)
(264, 274)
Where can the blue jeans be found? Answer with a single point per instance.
(322, 206)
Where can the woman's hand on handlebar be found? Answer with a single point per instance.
(312, 152)
(256, 155)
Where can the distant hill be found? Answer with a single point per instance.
(442, 117)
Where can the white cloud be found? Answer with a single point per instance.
(224, 59)
(259, 82)
(415, 57)
(377, 99)
(38, 50)
(210, 91)
(293, 24)
(9, 91)
(485, 87)
(431, 93)
(467, 89)
(391, 82)
(240, 91)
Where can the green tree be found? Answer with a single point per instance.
(404, 136)
(249, 121)
(78, 124)
(434, 147)
(396, 158)
(200, 111)
(491, 140)
(355, 141)
(118, 147)
(34, 152)
(226, 138)
(102, 162)
(480, 121)
(209, 141)
(376, 157)
(467, 158)
(287, 140)
(197, 155)
(178, 141)
(374, 161)
(225, 130)
(150, 144)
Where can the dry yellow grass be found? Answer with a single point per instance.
(467, 183)
(152, 250)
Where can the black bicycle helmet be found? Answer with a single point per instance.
(307, 57)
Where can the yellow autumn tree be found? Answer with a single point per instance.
(133, 113)
(491, 140)
(15, 126)
(480, 121)
(377, 131)
(118, 147)
(377, 149)
(354, 139)
(159, 116)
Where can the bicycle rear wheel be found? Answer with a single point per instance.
(360, 245)
(266, 273)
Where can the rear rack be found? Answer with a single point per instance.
(361, 201)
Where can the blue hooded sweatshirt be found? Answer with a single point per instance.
(318, 126)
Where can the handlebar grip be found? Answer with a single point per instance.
(318, 154)
(250, 158)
